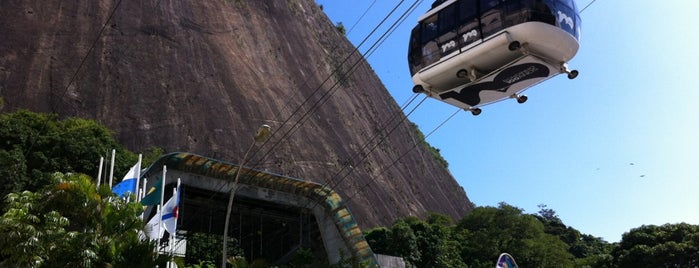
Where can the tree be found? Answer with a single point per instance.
(669, 245)
(41, 144)
(404, 242)
(420, 243)
(71, 223)
(380, 240)
(487, 231)
(206, 248)
(33, 146)
(341, 28)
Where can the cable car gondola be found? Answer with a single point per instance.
(471, 53)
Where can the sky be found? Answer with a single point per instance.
(612, 150)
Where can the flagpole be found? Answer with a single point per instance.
(143, 193)
(138, 177)
(162, 196)
(111, 172)
(171, 240)
(99, 173)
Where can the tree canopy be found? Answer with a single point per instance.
(53, 215)
(70, 223)
(535, 240)
(33, 146)
(669, 245)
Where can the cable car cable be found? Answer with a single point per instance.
(334, 87)
(371, 50)
(588, 5)
(336, 70)
(366, 155)
(75, 74)
(361, 151)
(353, 67)
(401, 156)
(361, 17)
(312, 94)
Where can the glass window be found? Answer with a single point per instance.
(430, 28)
(468, 9)
(447, 19)
(488, 5)
(415, 51)
(543, 11)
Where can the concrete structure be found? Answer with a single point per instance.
(275, 213)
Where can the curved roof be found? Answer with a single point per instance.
(331, 202)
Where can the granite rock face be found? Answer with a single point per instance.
(201, 76)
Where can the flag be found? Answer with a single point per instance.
(128, 183)
(170, 212)
(153, 196)
(154, 228)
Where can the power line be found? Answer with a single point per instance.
(403, 155)
(75, 74)
(588, 5)
(315, 105)
(94, 43)
(373, 48)
(361, 17)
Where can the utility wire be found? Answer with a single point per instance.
(325, 97)
(588, 5)
(94, 43)
(316, 104)
(439, 126)
(75, 74)
(402, 155)
(361, 17)
(378, 133)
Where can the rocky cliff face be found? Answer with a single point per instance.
(201, 76)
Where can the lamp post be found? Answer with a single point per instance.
(261, 135)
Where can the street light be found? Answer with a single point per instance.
(261, 135)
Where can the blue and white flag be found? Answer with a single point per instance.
(170, 212)
(128, 184)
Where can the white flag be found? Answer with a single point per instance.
(154, 228)
(170, 213)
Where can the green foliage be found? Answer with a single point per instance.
(491, 231)
(304, 257)
(203, 248)
(669, 245)
(151, 155)
(435, 152)
(33, 146)
(420, 243)
(540, 240)
(475, 241)
(202, 264)
(341, 28)
(70, 223)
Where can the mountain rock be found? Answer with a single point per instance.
(201, 76)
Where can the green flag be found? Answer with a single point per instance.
(153, 196)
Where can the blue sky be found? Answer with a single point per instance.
(612, 150)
